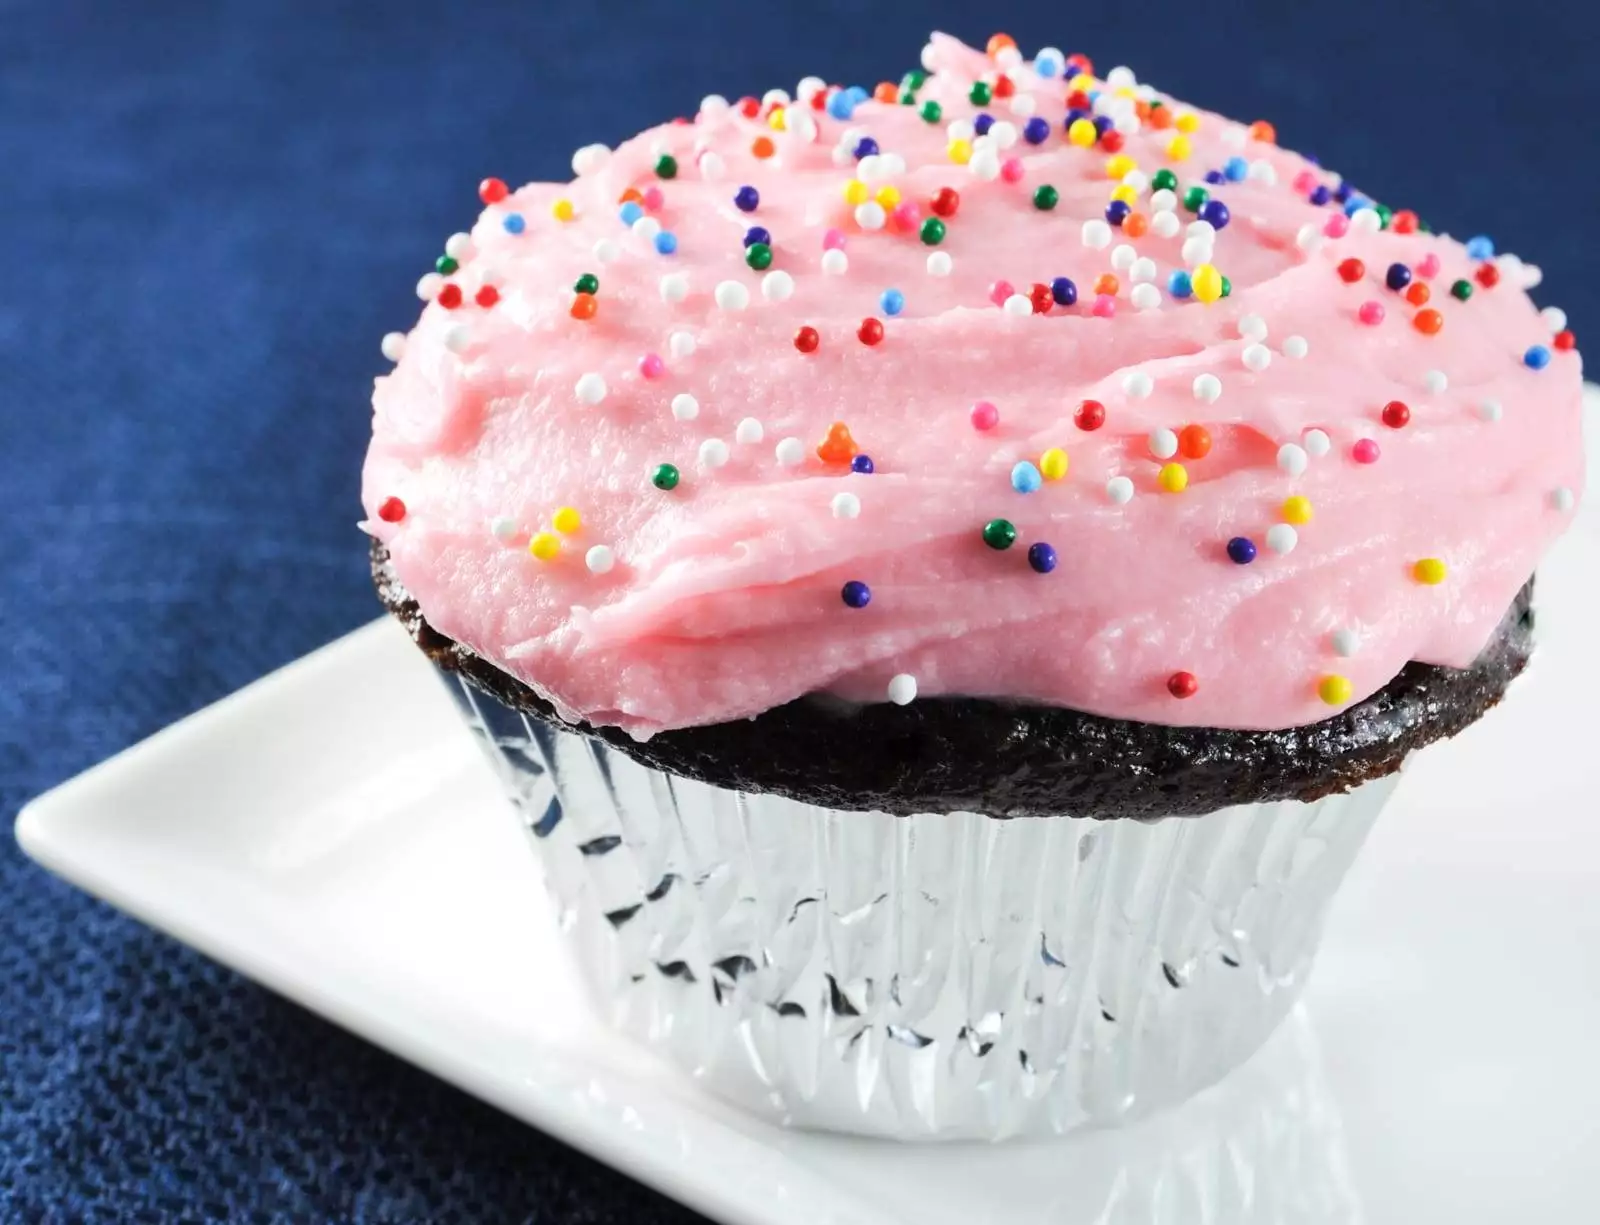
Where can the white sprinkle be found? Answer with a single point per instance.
(1295, 347)
(777, 286)
(960, 129)
(801, 125)
(1145, 297)
(835, 262)
(1262, 172)
(685, 407)
(1317, 443)
(845, 506)
(680, 344)
(1253, 327)
(1004, 133)
(607, 251)
(429, 286)
(939, 263)
(1281, 538)
(394, 346)
(1163, 443)
(589, 159)
(1163, 200)
(712, 166)
(1138, 385)
(646, 228)
(1096, 234)
(791, 452)
(748, 431)
(1490, 410)
(674, 287)
(1554, 318)
(870, 216)
(1234, 137)
(775, 97)
(1435, 381)
(1142, 269)
(1120, 490)
(1292, 458)
(1023, 104)
(732, 295)
(713, 453)
(1018, 304)
(713, 104)
(590, 389)
(870, 168)
(1309, 238)
(1346, 642)
(1366, 220)
(985, 165)
(599, 559)
(457, 337)
(930, 57)
(1008, 58)
(1562, 499)
(809, 86)
(894, 164)
(459, 247)
(1207, 388)
(1164, 225)
(902, 689)
(1201, 229)
(1196, 251)
(842, 155)
(1122, 256)
(1256, 357)
(503, 528)
(1136, 179)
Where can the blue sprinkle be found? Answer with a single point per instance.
(892, 301)
(1481, 247)
(862, 464)
(856, 594)
(757, 233)
(1398, 277)
(746, 199)
(1042, 557)
(1236, 169)
(1025, 477)
(1536, 358)
(1036, 131)
(1215, 176)
(1117, 211)
(630, 212)
(514, 223)
(1049, 64)
(1242, 550)
(1093, 94)
(1075, 114)
(1179, 285)
(858, 94)
(1343, 192)
(865, 147)
(666, 242)
(842, 105)
(1102, 124)
(1217, 213)
(1063, 291)
(1355, 204)
(982, 123)
(1320, 195)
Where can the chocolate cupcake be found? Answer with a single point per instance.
(950, 577)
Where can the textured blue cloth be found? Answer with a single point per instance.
(213, 211)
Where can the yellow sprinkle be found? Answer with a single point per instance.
(1297, 510)
(959, 151)
(1119, 164)
(1206, 282)
(1124, 193)
(567, 520)
(1082, 133)
(1082, 81)
(545, 545)
(856, 192)
(1429, 570)
(1124, 91)
(1188, 121)
(562, 210)
(1174, 478)
(1053, 464)
(1334, 690)
(1178, 148)
(775, 121)
(888, 196)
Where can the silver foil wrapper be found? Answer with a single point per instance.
(938, 976)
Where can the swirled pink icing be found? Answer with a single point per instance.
(723, 598)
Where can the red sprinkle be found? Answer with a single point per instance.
(1404, 222)
(1351, 271)
(1111, 142)
(749, 107)
(1004, 86)
(487, 296)
(1565, 340)
(1428, 322)
(392, 511)
(1081, 62)
(492, 191)
(1091, 415)
(870, 332)
(1041, 298)
(1488, 275)
(1182, 685)
(449, 297)
(1194, 442)
(946, 201)
(807, 338)
(1077, 100)
(1396, 414)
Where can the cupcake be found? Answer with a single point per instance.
(950, 575)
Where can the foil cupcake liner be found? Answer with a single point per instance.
(944, 975)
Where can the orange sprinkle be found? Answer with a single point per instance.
(887, 91)
(1418, 294)
(632, 193)
(998, 43)
(1135, 225)
(1141, 108)
(1160, 117)
(1264, 132)
(584, 306)
(1107, 284)
(1194, 441)
(763, 147)
(1428, 322)
(837, 447)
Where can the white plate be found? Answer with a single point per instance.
(331, 832)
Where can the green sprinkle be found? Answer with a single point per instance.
(587, 283)
(915, 79)
(932, 231)
(758, 255)
(1227, 287)
(666, 166)
(932, 112)
(1164, 180)
(999, 533)
(665, 477)
(1461, 290)
(1045, 197)
(1194, 197)
(444, 265)
(1385, 216)
(980, 93)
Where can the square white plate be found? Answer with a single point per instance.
(331, 832)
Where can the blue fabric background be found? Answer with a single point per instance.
(213, 212)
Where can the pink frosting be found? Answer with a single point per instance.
(724, 596)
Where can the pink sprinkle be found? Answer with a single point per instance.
(985, 416)
(1104, 306)
(1428, 265)
(1371, 313)
(651, 366)
(1305, 181)
(1000, 291)
(1365, 452)
(833, 240)
(1338, 226)
(906, 215)
(1011, 170)
(653, 199)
